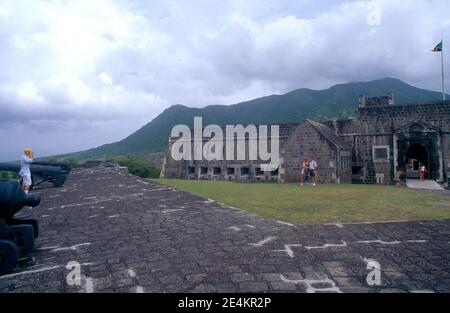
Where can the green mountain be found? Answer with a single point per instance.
(339, 101)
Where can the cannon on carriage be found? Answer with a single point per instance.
(40, 173)
(17, 235)
(66, 167)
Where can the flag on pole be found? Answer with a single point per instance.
(438, 48)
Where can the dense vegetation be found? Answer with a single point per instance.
(139, 168)
(8, 175)
(71, 160)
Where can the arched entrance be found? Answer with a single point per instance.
(418, 143)
(416, 156)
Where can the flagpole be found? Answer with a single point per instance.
(443, 77)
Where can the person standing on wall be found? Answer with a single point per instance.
(25, 173)
(313, 170)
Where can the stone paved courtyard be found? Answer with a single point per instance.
(133, 235)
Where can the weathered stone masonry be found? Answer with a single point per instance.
(407, 132)
(384, 144)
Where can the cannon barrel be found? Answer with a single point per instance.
(53, 170)
(13, 199)
(54, 174)
(34, 169)
(63, 165)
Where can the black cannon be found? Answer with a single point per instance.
(63, 165)
(40, 173)
(17, 235)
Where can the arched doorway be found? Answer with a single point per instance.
(416, 156)
(421, 142)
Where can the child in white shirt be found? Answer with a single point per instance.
(25, 161)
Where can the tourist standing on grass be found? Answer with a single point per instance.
(25, 161)
(422, 171)
(313, 170)
(304, 171)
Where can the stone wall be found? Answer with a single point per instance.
(297, 141)
(246, 170)
(446, 155)
(305, 142)
(375, 127)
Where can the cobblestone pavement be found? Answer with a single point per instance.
(134, 235)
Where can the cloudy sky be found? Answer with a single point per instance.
(77, 74)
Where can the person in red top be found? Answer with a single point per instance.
(422, 171)
(304, 171)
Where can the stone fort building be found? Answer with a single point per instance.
(385, 144)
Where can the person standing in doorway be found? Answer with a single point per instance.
(422, 171)
(313, 170)
(25, 173)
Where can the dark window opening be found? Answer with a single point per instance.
(204, 170)
(217, 171)
(274, 172)
(258, 171)
(230, 171)
(191, 169)
(356, 170)
(245, 171)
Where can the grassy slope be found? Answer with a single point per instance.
(323, 203)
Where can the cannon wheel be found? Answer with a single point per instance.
(8, 256)
(59, 181)
(23, 236)
(27, 221)
(5, 232)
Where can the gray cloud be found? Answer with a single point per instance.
(100, 69)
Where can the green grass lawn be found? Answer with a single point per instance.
(323, 203)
